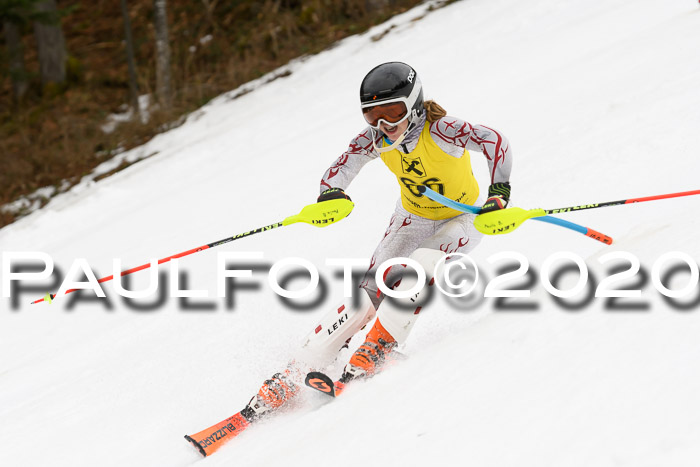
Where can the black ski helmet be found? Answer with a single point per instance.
(392, 82)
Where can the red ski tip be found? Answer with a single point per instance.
(196, 444)
(211, 439)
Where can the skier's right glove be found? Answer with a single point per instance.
(333, 193)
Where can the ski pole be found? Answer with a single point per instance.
(622, 201)
(505, 221)
(318, 214)
(516, 216)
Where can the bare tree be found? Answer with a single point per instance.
(133, 84)
(14, 16)
(163, 82)
(209, 6)
(51, 44)
(18, 72)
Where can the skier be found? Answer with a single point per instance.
(422, 146)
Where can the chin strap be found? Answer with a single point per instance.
(393, 145)
(396, 143)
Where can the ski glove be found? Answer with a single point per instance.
(333, 193)
(499, 193)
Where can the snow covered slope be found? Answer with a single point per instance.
(600, 101)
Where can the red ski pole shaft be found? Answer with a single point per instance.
(320, 214)
(622, 201)
(670, 195)
(178, 255)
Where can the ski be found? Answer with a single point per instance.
(211, 439)
(323, 383)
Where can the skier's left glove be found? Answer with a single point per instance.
(499, 194)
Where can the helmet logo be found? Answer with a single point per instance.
(410, 76)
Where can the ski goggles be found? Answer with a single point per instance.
(391, 113)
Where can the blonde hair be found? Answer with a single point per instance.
(433, 111)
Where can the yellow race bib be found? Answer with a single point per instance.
(431, 166)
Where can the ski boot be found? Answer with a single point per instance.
(369, 358)
(273, 394)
